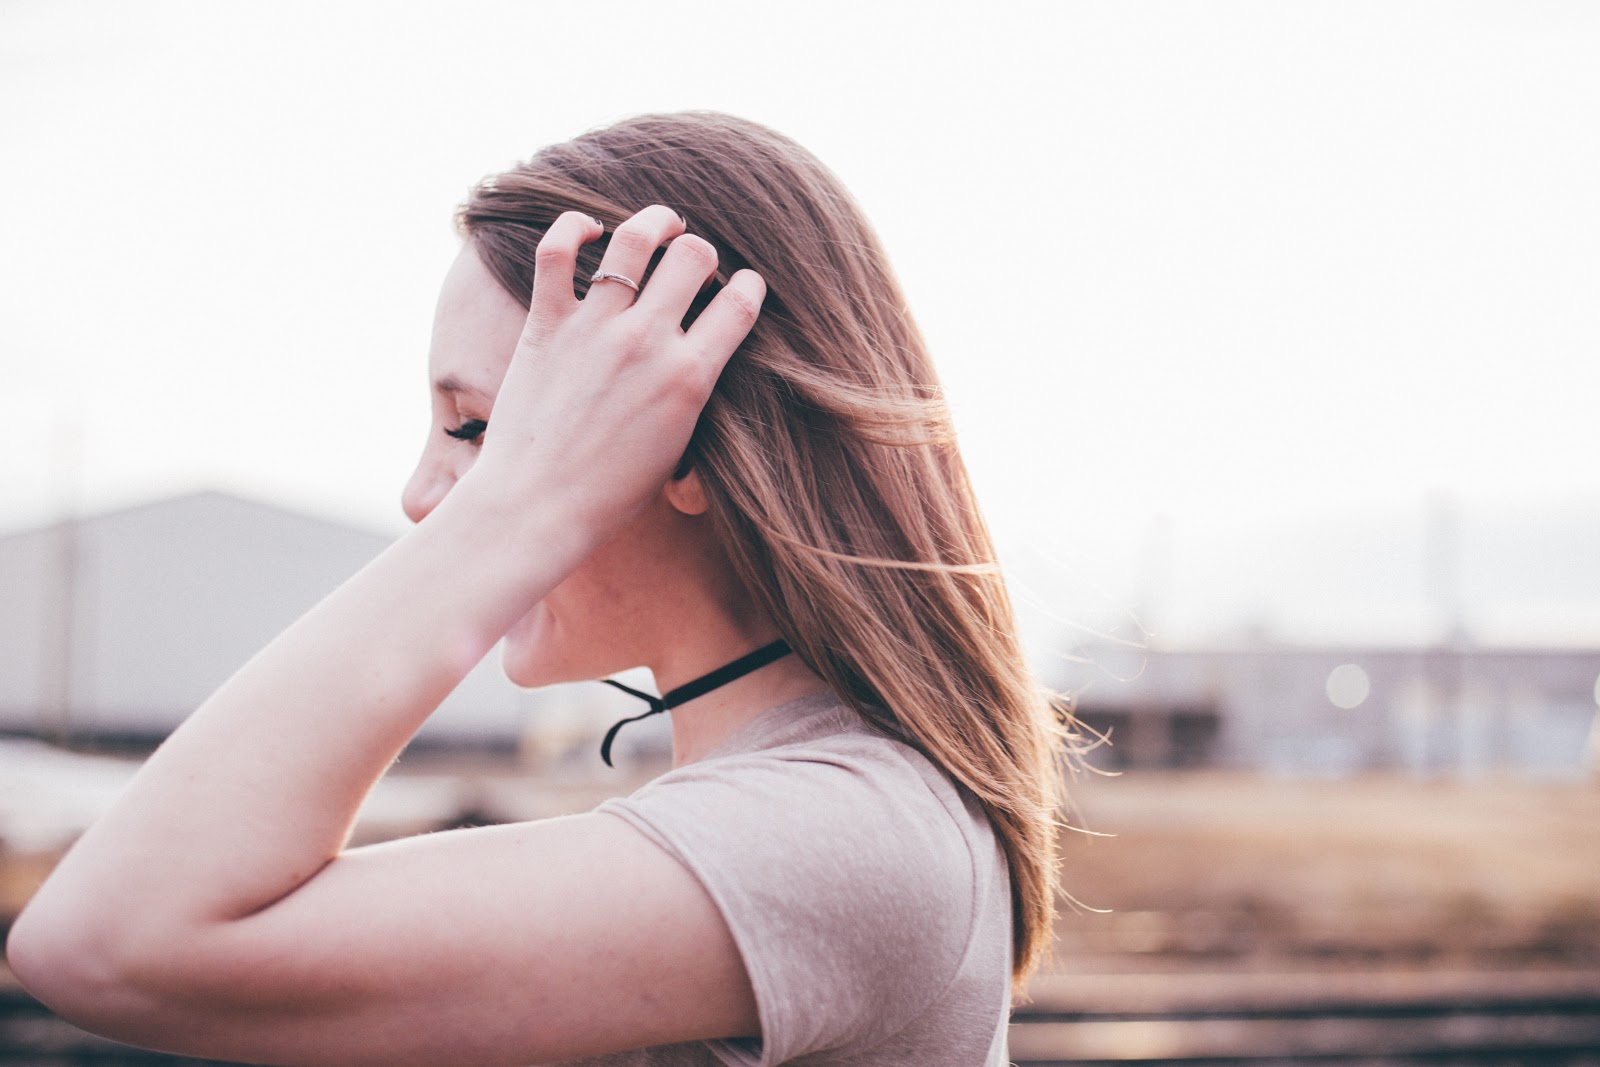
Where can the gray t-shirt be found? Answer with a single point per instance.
(866, 892)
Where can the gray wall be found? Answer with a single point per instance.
(127, 621)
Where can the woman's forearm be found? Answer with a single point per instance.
(259, 788)
(162, 907)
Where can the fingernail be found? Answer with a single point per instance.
(597, 222)
(681, 219)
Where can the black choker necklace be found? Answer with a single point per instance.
(689, 690)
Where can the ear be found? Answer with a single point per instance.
(687, 494)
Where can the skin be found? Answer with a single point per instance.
(214, 911)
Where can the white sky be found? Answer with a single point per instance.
(1237, 264)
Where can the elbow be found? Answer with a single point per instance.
(50, 959)
(74, 972)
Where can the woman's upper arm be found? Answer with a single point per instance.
(510, 944)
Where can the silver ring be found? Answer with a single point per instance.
(608, 276)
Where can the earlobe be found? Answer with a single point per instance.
(687, 494)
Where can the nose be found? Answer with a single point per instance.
(427, 486)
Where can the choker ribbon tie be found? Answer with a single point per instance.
(689, 690)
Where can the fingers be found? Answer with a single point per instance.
(684, 268)
(556, 259)
(726, 321)
(677, 279)
(629, 252)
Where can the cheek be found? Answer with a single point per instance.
(589, 607)
(613, 612)
(585, 628)
(595, 599)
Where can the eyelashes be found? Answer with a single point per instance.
(470, 430)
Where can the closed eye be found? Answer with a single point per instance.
(470, 430)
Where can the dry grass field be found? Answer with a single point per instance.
(1371, 870)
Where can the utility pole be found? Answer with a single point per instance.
(59, 636)
(1444, 569)
(1444, 594)
(1155, 578)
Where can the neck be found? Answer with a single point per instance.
(701, 724)
(695, 616)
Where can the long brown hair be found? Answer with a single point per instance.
(829, 460)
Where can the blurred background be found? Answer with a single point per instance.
(1271, 334)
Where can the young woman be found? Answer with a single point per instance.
(681, 419)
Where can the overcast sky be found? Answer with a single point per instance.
(1241, 265)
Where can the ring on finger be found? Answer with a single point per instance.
(612, 276)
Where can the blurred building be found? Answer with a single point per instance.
(1342, 710)
(114, 627)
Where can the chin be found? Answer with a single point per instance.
(539, 651)
(525, 652)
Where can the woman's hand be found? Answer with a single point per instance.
(602, 394)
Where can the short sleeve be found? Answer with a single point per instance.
(843, 874)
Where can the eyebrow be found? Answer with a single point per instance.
(451, 384)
